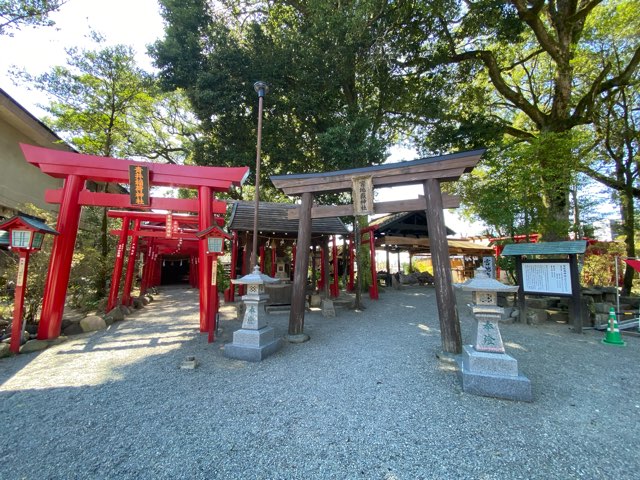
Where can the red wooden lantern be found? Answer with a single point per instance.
(26, 234)
(215, 238)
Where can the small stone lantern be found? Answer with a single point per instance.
(485, 367)
(486, 310)
(255, 340)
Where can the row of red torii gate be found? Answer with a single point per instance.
(161, 235)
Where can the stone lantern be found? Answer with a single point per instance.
(485, 368)
(255, 340)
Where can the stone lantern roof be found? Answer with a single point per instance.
(483, 283)
(255, 278)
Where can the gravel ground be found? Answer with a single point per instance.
(366, 398)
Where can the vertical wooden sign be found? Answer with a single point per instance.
(21, 267)
(168, 226)
(214, 270)
(139, 186)
(362, 195)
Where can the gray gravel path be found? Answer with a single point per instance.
(366, 398)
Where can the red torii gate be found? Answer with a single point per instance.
(137, 232)
(181, 240)
(75, 169)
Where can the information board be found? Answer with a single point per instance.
(540, 277)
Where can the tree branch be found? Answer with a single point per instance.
(488, 59)
(531, 18)
(584, 11)
(517, 133)
(608, 181)
(582, 110)
(625, 76)
(523, 61)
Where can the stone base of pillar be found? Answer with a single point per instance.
(252, 345)
(298, 338)
(492, 375)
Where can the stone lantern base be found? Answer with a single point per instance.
(492, 375)
(252, 345)
(255, 340)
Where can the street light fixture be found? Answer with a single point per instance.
(261, 89)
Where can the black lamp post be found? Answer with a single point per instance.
(261, 89)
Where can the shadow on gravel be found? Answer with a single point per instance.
(365, 398)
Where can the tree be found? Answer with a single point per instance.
(522, 56)
(332, 95)
(167, 131)
(504, 193)
(614, 162)
(97, 100)
(333, 101)
(16, 13)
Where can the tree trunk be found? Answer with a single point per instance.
(555, 159)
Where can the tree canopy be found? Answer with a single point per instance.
(521, 68)
(350, 78)
(331, 102)
(17, 13)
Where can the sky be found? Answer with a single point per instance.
(36, 49)
(136, 23)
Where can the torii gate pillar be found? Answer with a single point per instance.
(75, 169)
(119, 263)
(296, 314)
(204, 197)
(445, 297)
(428, 171)
(55, 289)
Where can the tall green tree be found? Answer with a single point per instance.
(97, 98)
(519, 60)
(15, 14)
(614, 160)
(332, 97)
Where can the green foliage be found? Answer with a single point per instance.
(37, 268)
(222, 278)
(17, 13)
(331, 96)
(599, 264)
(104, 104)
(95, 96)
(86, 265)
(530, 72)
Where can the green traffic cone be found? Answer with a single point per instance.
(613, 337)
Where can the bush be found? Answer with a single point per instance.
(599, 265)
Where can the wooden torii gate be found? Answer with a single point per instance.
(429, 172)
(75, 169)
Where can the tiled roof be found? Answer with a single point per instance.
(273, 218)
(545, 248)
